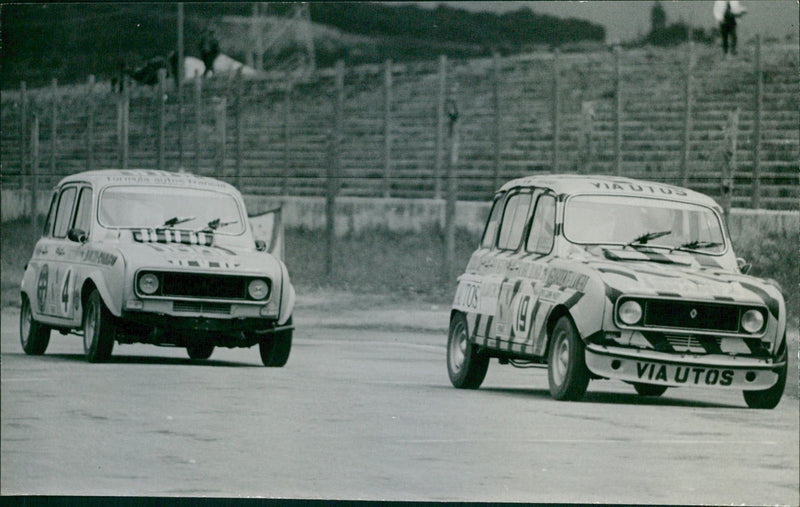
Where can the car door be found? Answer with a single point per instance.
(531, 304)
(50, 253)
(509, 242)
(69, 253)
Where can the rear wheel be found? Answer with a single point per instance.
(769, 398)
(275, 348)
(567, 373)
(466, 366)
(34, 336)
(649, 389)
(200, 350)
(99, 330)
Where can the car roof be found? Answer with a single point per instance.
(599, 184)
(146, 177)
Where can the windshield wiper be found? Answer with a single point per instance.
(696, 245)
(644, 238)
(217, 224)
(172, 222)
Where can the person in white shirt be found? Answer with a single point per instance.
(726, 12)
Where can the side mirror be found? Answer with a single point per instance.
(261, 245)
(744, 266)
(77, 235)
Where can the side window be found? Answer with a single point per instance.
(515, 217)
(51, 216)
(490, 232)
(83, 217)
(64, 212)
(540, 239)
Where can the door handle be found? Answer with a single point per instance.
(59, 251)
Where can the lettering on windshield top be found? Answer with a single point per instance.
(632, 187)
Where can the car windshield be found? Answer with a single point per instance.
(635, 221)
(178, 208)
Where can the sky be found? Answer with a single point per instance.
(625, 20)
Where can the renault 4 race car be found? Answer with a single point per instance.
(138, 256)
(602, 277)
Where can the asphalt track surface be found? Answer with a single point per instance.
(364, 410)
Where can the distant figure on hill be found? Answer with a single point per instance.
(726, 12)
(209, 50)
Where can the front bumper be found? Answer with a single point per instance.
(718, 371)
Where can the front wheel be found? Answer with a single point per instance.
(649, 389)
(99, 330)
(567, 373)
(34, 336)
(769, 398)
(466, 366)
(200, 350)
(275, 348)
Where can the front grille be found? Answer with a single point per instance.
(199, 307)
(203, 286)
(688, 315)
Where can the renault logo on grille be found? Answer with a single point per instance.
(693, 313)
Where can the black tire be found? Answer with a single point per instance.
(275, 348)
(769, 398)
(199, 350)
(33, 336)
(99, 330)
(649, 389)
(466, 366)
(567, 373)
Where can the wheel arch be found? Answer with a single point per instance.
(556, 313)
(90, 284)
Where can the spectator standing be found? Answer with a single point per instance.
(209, 50)
(726, 12)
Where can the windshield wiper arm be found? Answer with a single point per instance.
(172, 222)
(695, 245)
(217, 224)
(644, 238)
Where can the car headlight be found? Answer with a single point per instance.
(629, 312)
(258, 289)
(148, 283)
(752, 321)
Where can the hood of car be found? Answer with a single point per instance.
(185, 257)
(677, 275)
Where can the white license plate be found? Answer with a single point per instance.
(673, 374)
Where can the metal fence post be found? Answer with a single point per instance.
(334, 169)
(34, 190)
(23, 130)
(287, 104)
(198, 119)
(90, 123)
(451, 176)
(437, 170)
(755, 202)
(496, 114)
(556, 112)
(220, 121)
(617, 113)
(54, 130)
(687, 116)
(239, 128)
(729, 162)
(162, 117)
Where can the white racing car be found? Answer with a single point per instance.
(606, 277)
(155, 257)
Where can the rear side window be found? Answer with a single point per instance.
(540, 239)
(51, 216)
(490, 232)
(83, 214)
(514, 219)
(64, 212)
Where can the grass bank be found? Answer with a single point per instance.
(407, 266)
